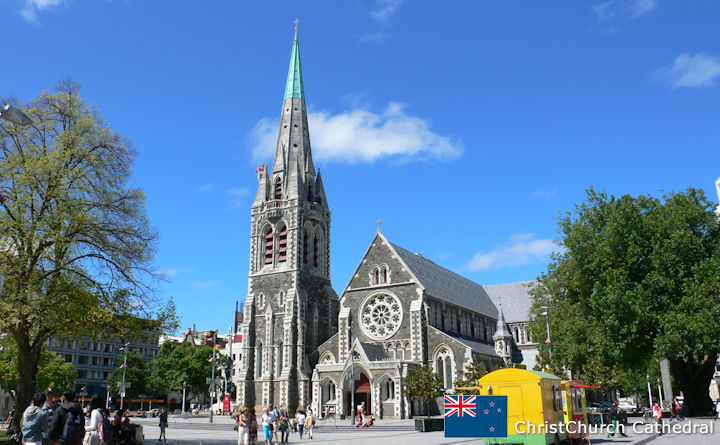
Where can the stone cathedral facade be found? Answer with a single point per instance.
(304, 346)
(291, 306)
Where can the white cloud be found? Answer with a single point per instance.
(206, 188)
(385, 9)
(32, 7)
(690, 71)
(629, 8)
(238, 193)
(360, 135)
(204, 284)
(521, 249)
(544, 194)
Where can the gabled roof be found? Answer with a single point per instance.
(446, 285)
(475, 345)
(514, 297)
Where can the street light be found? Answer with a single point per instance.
(14, 115)
(352, 353)
(547, 325)
(213, 386)
(650, 404)
(124, 368)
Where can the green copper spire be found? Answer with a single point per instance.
(294, 87)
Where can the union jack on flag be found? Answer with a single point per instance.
(459, 405)
(476, 416)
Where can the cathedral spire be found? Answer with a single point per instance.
(294, 85)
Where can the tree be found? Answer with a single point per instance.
(472, 373)
(176, 365)
(637, 280)
(424, 384)
(53, 370)
(137, 373)
(76, 247)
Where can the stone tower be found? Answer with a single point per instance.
(291, 307)
(503, 339)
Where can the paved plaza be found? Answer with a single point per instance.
(200, 431)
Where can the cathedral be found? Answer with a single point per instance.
(304, 346)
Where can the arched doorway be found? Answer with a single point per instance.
(362, 394)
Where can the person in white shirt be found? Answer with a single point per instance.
(267, 426)
(92, 435)
(300, 420)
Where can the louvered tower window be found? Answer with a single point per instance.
(305, 246)
(316, 247)
(282, 245)
(269, 247)
(278, 188)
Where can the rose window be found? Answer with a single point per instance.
(381, 316)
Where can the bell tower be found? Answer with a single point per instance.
(291, 307)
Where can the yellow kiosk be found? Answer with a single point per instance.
(535, 405)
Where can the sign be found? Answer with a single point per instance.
(476, 416)
(329, 408)
(127, 385)
(226, 402)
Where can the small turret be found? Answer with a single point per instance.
(503, 339)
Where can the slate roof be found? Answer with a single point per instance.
(514, 298)
(477, 346)
(374, 352)
(446, 285)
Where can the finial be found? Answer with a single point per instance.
(379, 223)
(296, 25)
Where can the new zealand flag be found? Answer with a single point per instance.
(476, 416)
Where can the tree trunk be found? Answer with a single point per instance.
(28, 359)
(694, 382)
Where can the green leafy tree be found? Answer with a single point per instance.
(472, 373)
(176, 365)
(424, 384)
(137, 373)
(53, 370)
(76, 247)
(637, 280)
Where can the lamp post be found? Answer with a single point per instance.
(124, 368)
(14, 115)
(660, 399)
(647, 377)
(212, 384)
(547, 326)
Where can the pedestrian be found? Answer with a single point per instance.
(676, 410)
(50, 404)
(717, 410)
(613, 418)
(657, 413)
(267, 425)
(284, 424)
(274, 414)
(92, 433)
(163, 424)
(309, 424)
(35, 421)
(253, 427)
(67, 426)
(300, 421)
(244, 427)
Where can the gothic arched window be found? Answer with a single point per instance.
(280, 357)
(310, 193)
(260, 359)
(306, 246)
(278, 188)
(316, 249)
(384, 274)
(444, 366)
(377, 276)
(269, 246)
(472, 330)
(282, 245)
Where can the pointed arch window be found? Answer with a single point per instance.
(280, 358)
(282, 245)
(278, 188)
(444, 366)
(260, 359)
(384, 275)
(459, 326)
(269, 246)
(306, 245)
(377, 276)
(316, 248)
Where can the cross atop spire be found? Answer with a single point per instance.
(294, 86)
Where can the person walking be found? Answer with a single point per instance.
(253, 427)
(300, 421)
(284, 425)
(163, 424)
(676, 410)
(267, 426)
(657, 413)
(309, 424)
(92, 434)
(244, 427)
(67, 426)
(717, 410)
(274, 414)
(35, 421)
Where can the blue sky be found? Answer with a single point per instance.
(467, 127)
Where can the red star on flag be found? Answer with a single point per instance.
(492, 429)
(492, 403)
(499, 410)
(487, 412)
